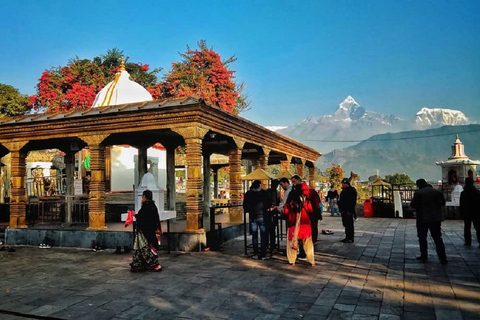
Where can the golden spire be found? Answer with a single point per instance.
(122, 65)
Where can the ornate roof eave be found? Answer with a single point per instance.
(158, 114)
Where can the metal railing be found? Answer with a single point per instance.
(59, 209)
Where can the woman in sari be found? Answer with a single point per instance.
(145, 247)
(297, 208)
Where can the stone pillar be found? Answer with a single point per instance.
(69, 160)
(215, 182)
(300, 170)
(285, 164)
(171, 182)
(142, 163)
(311, 177)
(18, 193)
(194, 184)
(206, 184)
(263, 164)
(235, 163)
(96, 196)
(193, 136)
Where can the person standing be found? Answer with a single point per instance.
(271, 215)
(297, 209)
(470, 211)
(332, 198)
(145, 247)
(346, 205)
(428, 204)
(256, 202)
(316, 213)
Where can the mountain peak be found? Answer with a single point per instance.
(438, 117)
(349, 109)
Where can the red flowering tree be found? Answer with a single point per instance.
(76, 85)
(202, 73)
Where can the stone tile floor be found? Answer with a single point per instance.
(377, 277)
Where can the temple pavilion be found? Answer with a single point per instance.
(124, 114)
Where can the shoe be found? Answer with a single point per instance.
(302, 258)
(467, 244)
(255, 256)
(356, 219)
(346, 241)
(443, 261)
(422, 258)
(265, 258)
(158, 269)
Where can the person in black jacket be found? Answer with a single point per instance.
(256, 202)
(470, 211)
(428, 204)
(346, 205)
(145, 248)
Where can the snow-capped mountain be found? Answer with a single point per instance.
(428, 118)
(352, 123)
(349, 124)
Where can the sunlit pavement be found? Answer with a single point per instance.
(377, 277)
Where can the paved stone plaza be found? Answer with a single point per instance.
(375, 278)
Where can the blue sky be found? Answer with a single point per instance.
(296, 58)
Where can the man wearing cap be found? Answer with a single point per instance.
(428, 204)
(346, 205)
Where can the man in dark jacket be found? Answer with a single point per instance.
(256, 202)
(346, 204)
(470, 211)
(428, 204)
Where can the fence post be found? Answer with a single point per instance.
(68, 218)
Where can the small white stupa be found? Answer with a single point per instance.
(121, 90)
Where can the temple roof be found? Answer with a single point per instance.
(121, 90)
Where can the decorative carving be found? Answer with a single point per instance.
(194, 190)
(193, 131)
(96, 216)
(18, 194)
(94, 139)
(234, 158)
(300, 170)
(14, 145)
(239, 142)
(311, 177)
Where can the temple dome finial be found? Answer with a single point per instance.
(121, 90)
(122, 65)
(458, 150)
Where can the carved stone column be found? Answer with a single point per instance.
(300, 170)
(96, 196)
(171, 182)
(18, 193)
(263, 163)
(285, 164)
(193, 139)
(69, 160)
(206, 184)
(235, 162)
(311, 177)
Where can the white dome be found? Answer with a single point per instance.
(121, 90)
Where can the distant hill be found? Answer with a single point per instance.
(412, 152)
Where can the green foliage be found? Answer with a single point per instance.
(398, 178)
(12, 103)
(336, 175)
